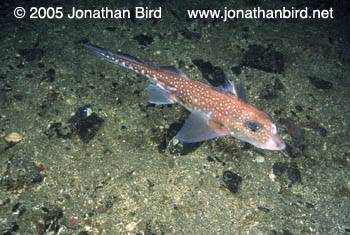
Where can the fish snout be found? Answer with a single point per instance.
(275, 142)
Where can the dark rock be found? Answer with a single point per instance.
(80, 114)
(88, 128)
(266, 59)
(309, 205)
(190, 35)
(31, 55)
(210, 159)
(162, 146)
(150, 183)
(14, 227)
(213, 74)
(278, 85)
(49, 133)
(85, 123)
(320, 83)
(291, 170)
(246, 146)
(232, 181)
(50, 75)
(268, 93)
(64, 132)
(111, 28)
(299, 108)
(61, 132)
(44, 209)
(22, 210)
(51, 72)
(20, 66)
(16, 206)
(286, 232)
(143, 40)
(52, 220)
(83, 232)
(236, 70)
(19, 209)
(279, 168)
(294, 174)
(7, 88)
(264, 209)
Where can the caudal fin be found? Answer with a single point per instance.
(115, 58)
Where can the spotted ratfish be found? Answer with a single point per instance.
(214, 111)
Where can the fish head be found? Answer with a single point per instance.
(255, 127)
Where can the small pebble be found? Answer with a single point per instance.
(131, 227)
(272, 177)
(259, 159)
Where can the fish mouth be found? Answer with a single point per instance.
(274, 143)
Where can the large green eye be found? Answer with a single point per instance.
(253, 126)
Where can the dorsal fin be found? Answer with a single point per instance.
(240, 91)
(232, 88)
(173, 70)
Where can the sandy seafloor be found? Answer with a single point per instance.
(132, 177)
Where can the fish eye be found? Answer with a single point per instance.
(253, 126)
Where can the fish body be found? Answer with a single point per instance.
(215, 112)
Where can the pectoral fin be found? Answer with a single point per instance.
(199, 128)
(158, 95)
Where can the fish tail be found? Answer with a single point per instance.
(115, 58)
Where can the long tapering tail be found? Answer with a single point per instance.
(115, 58)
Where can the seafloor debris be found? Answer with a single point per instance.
(143, 40)
(320, 83)
(265, 59)
(19, 172)
(64, 132)
(85, 122)
(293, 173)
(232, 181)
(72, 223)
(13, 137)
(31, 54)
(295, 132)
